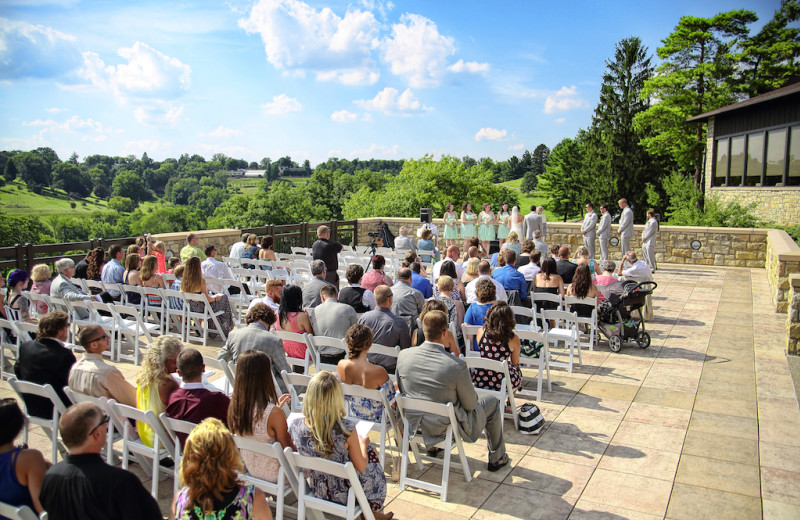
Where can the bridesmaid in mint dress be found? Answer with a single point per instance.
(450, 225)
(486, 227)
(468, 219)
(503, 224)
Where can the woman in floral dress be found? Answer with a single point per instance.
(497, 340)
(358, 370)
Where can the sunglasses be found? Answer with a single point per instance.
(103, 421)
(98, 338)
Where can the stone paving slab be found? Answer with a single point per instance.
(703, 424)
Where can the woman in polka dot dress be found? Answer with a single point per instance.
(496, 340)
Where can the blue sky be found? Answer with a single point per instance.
(268, 78)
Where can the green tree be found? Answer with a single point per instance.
(183, 190)
(10, 172)
(565, 180)
(121, 204)
(21, 230)
(207, 199)
(33, 169)
(693, 78)
(128, 184)
(513, 169)
(68, 177)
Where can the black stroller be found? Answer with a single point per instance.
(615, 313)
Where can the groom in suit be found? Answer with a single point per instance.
(431, 373)
(531, 223)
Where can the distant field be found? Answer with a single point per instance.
(525, 200)
(246, 186)
(16, 199)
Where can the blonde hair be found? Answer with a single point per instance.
(160, 247)
(149, 266)
(41, 273)
(472, 266)
(512, 237)
(210, 465)
(192, 281)
(324, 409)
(252, 240)
(155, 360)
(445, 283)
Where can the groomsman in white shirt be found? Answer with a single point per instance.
(604, 231)
(588, 229)
(649, 239)
(625, 230)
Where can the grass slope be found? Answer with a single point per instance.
(526, 200)
(16, 199)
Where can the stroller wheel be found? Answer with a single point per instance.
(615, 343)
(643, 339)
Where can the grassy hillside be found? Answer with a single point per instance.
(525, 200)
(16, 199)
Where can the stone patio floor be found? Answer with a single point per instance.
(703, 424)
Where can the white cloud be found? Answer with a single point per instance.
(53, 110)
(417, 51)
(89, 129)
(221, 131)
(565, 99)
(282, 105)
(35, 51)
(151, 146)
(148, 73)
(491, 134)
(388, 102)
(559, 120)
(298, 38)
(468, 66)
(343, 116)
(159, 113)
(375, 150)
(516, 147)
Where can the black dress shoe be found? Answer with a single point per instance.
(435, 452)
(495, 466)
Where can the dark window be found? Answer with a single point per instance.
(737, 161)
(755, 159)
(721, 165)
(776, 156)
(794, 157)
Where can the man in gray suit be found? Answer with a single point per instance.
(604, 231)
(588, 228)
(431, 373)
(311, 290)
(625, 230)
(649, 239)
(332, 319)
(531, 223)
(407, 301)
(256, 337)
(63, 288)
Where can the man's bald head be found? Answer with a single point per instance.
(472, 252)
(453, 252)
(484, 267)
(563, 252)
(77, 423)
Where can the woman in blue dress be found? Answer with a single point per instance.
(486, 227)
(503, 223)
(450, 225)
(468, 220)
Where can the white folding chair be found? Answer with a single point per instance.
(50, 426)
(542, 363)
(231, 262)
(173, 427)
(386, 351)
(223, 384)
(507, 390)
(357, 503)
(201, 318)
(102, 402)
(566, 330)
(153, 308)
(132, 444)
(18, 512)
(413, 439)
(524, 314)
(296, 383)
(278, 489)
(9, 340)
(175, 320)
(543, 300)
(387, 417)
(470, 333)
(300, 251)
(319, 342)
(37, 301)
(590, 322)
(306, 361)
(132, 328)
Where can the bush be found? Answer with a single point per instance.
(121, 204)
(73, 205)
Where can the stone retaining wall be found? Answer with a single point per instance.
(783, 260)
(793, 316)
(780, 204)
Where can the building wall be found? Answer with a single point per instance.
(779, 205)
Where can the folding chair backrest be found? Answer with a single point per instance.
(50, 425)
(285, 472)
(296, 383)
(563, 319)
(17, 512)
(319, 342)
(173, 427)
(522, 315)
(300, 338)
(470, 333)
(507, 390)
(225, 383)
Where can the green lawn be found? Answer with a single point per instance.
(246, 186)
(16, 199)
(525, 200)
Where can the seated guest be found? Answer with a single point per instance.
(548, 280)
(273, 297)
(62, 287)
(45, 360)
(431, 373)
(94, 270)
(213, 268)
(151, 279)
(459, 290)
(531, 269)
(21, 469)
(451, 257)
(426, 244)
(566, 269)
(83, 485)
(311, 296)
(292, 318)
(540, 245)
(632, 267)
(512, 242)
(417, 338)
(582, 258)
(497, 341)
(326, 433)
(154, 384)
(173, 264)
(193, 402)
(509, 277)
(265, 252)
(210, 470)
(357, 370)
(354, 295)
(113, 271)
(607, 278)
(419, 282)
(375, 276)
(16, 300)
(176, 303)
(407, 301)
(237, 249)
(582, 287)
(255, 412)
(260, 318)
(525, 257)
(194, 283)
(91, 375)
(192, 249)
(82, 265)
(131, 276)
(389, 330)
(403, 241)
(485, 271)
(251, 247)
(40, 276)
(332, 319)
(455, 307)
(470, 272)
(486, 295)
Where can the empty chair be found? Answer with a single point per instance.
(49, 425)
(541, 363)
(296, 383)
(586, 310)
(566, 330)
(131, 327)
(320, 342)
(223, 384)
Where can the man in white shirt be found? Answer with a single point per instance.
(633, 268)
(485, 271)
(649, 239)
(625, 230)
(531, 269)
(273, 297)
(404, 241)
(453, 252)
(213, 268)
(237, 249)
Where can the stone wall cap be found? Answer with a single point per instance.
(203, 234)
(794, 279)
(786, 249)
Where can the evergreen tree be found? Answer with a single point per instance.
(10, 172)
(565, 181)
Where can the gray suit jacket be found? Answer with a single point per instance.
(649, 233)
(407, 303)
(256, 337)
(63, 288)
(589, 225)
(626, 222)
(331, 318)
(604, 231)
(431, 373)
(311, 290)
(530, 223)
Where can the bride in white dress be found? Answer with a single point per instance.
(516, 222)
